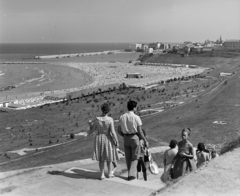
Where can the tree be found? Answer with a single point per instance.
(120, 87)
(124, 86)
(93, 94)
(72, 135)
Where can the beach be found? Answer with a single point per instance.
(59, 76)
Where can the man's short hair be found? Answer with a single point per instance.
(173, 144)
(131, 105)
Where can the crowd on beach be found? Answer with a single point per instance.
(106, 73)
(178, 161)
(111, 73)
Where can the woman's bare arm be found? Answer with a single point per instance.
(112, 129)
(91, 127)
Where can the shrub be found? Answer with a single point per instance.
(72, 135)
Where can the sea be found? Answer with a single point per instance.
(14, 58)
(36, 49)
(28, 50)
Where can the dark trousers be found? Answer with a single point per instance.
(132, 150)
(141, 165)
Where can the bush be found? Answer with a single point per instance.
(72, 135)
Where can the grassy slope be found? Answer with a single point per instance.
(201, 59)
(199, 115)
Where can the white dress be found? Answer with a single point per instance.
(104, 145)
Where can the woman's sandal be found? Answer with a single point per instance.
(111, 175)
(102, 177)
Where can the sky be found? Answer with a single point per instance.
(77, 21)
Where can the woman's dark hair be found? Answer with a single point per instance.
(105, 108)
(173, 144)
(131, 105)
(201, 147)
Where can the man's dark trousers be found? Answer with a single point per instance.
(132, 150)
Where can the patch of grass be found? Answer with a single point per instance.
(230, 146)
(169, 184)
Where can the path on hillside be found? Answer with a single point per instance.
(75, 178)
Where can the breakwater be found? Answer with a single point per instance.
(24, 62)
(81, 54)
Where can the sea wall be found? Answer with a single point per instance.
(80, 54)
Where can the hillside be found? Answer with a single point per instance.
(201, 59)
(46, 125)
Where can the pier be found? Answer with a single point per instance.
(80, 54)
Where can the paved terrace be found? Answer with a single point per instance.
(219, 177)
(77, 178)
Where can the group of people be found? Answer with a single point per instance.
(106, 144)
(179, 160)
(183, 158)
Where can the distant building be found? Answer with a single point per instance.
(150, 50)
(145, 47)
(192, 66)
(225, 74)
(212, 44)
(138, 46)
(154, 45)
(5, 104)
(135, 46)
(164, 46)
(209, 43)
(197, 49)
(158, 51)
(206, 49)
(134, 75)
(142, 87)
(232, 44)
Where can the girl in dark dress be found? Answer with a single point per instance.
(185, 160)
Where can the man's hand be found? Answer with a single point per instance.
(119, 130)
(90, 122)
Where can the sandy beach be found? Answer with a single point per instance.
(59, 76)
(108, 73)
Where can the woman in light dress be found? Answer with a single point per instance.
(168, 158)
(106, 141)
